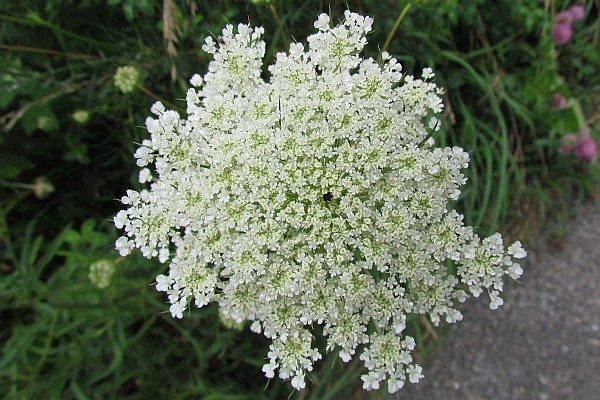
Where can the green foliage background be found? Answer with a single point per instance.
(62, 337)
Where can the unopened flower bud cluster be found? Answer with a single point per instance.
(127, 78)
(101, 273)
(312, 198)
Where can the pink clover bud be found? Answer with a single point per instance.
(558, 102)
(564, 17)
(561, 33)
(587, 150)
(568, 143)
(577, 12)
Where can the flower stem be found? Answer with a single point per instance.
(47, 51)
(286, 43)
(147, 92)
(16, 185)
(390, 35)
(35, 20)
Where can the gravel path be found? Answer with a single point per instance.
(544, 344)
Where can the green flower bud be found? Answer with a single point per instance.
(101, 273)
(42, 187)
(127, 78)
(81, 116)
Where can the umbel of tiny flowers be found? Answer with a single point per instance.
(101, 273)
(127, 78)
(81, 116)
(313, 198)
(42, 187)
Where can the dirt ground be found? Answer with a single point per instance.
(543, 344)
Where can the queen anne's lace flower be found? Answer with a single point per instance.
(311, 198)
(101, 273)
(127, 78)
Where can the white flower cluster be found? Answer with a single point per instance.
(311, 198)
(101, 273)
(126, 79)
